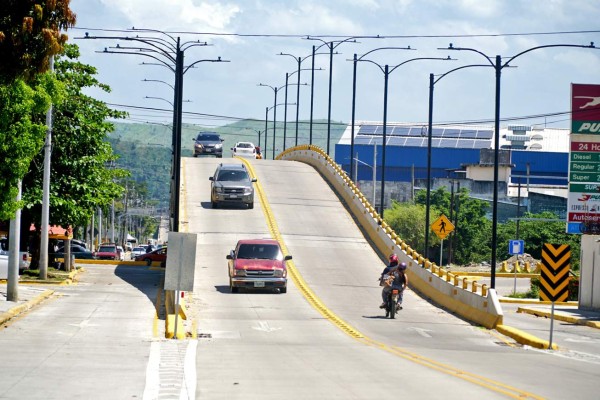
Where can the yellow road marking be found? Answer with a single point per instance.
(312, 298)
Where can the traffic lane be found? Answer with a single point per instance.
(97, 331)
(342, 274)
(196, 204)
(569, 337)
(339, 264)
(265, 345)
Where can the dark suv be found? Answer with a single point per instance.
(208, 143)
(232, 184)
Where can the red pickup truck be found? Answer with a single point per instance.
(258, 264)
(108, 252)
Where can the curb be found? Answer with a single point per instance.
(21, 308)
(524, 337)
(67, 281)
(536, 302)
(561, 317)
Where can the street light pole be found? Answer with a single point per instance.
(169, 52)
(355, 61)
(331, 45)
(386, 72)
(300, 60)
(432, 82)
(274, 106)
(498, 66)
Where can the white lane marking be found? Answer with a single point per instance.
(188, 390)
(264, 326)
(83, 324)
(421, 331)
(152, 375)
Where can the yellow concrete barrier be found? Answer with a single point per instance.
(484, 310)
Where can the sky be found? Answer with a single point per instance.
(251, 34)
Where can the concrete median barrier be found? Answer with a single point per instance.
(474, 303)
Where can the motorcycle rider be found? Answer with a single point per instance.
(395, 274)
(393, 264)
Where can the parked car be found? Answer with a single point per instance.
(23, 263)
(121, 253)
(76, 250)
(244, 149)
(208, 143)
(257, 263)
(159, 255)
(107, 252)
(232, 184)
(137, 251)
(23, 256)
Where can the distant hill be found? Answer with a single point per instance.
(145, 149)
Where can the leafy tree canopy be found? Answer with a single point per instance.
(83, 176)
(22, 132)
(30, 33)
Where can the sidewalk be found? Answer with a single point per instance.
(29, 294)
(566, 312)
(28, 297)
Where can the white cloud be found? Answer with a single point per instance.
(310, 18)
(479, 8)
(176, 14)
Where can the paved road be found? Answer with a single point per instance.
(266, 345)
(100, 337)
(91, 340)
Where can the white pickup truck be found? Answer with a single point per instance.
(23, 261)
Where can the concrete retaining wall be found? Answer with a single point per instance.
(474, 303)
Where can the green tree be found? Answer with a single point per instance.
(22, 132)
(536, 233)
(30, 33)
(471, 239)
(83, 176)
(407, 220)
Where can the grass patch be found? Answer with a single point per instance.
(53, 274)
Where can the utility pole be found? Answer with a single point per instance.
(46, 192)
(12, 288)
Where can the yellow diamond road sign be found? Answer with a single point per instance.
(442, 227)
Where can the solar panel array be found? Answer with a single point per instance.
(416, 136)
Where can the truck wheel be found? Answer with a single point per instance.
(250, 206)
(283, 289)
(148, 261)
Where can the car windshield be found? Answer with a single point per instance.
(245, 145)
(232, 175)
(213, 138)
(259, 251)
(108, 249)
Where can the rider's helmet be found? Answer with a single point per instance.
(393, 260)
(402, 266)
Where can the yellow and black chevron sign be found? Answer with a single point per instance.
(554, 278)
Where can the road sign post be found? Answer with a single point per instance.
(554, 277)
(442, 228)
(516, 247)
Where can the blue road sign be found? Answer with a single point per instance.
(516, 247)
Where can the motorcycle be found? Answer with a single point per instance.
(391, 305)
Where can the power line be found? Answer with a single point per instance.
(301, 36)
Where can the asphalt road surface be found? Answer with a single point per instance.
(101, 338)
(264, 345)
